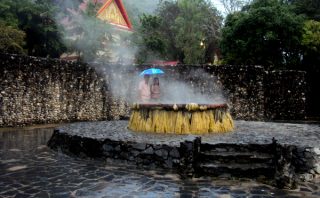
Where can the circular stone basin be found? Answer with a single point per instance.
(189, 118)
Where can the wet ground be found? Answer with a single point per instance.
(28, 168)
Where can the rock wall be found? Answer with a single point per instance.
(245, 88)
(36, 90)
(285, 95)
(142, 154)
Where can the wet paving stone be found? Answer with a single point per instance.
(22, 195)
(42, 195)
(239, 196)
(305, 190)
(258, 192)
(9, 193)
(28, 168)
(316, 194)
(260, 196)
(186, 194)
(237, 192)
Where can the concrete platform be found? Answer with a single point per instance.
(292, 150)
(246, 132)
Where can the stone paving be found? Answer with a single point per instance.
(28, 168)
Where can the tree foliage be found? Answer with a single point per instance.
(90, 36)
(35, 19)
(232, 6)
(11, 39)
(135, 9)
(182, 30)
(311, 44)
(267, 32)
(309, 8)
(311, 35)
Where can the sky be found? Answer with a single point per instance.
(219, 6)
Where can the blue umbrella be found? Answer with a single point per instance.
(151, 71)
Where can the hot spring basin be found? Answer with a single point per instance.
(189, 118)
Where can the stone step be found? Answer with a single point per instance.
(237, 170)
(259, 148)
(235, 157)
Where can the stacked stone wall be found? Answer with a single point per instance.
(36, 90)
(245, 88)
(285, 95)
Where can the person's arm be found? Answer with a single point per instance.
(151, 89)
(140, 89)
(140, 86)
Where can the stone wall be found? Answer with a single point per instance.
(285, 95)
(245, 87)
(141, 154)
(295, 164)
(36, 90)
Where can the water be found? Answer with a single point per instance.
(28, 168)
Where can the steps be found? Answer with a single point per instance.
(249, 161)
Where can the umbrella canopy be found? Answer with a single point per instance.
(151, 71)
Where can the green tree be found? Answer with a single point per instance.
(155, 37)
(11, 39)
(311, 36)
(35, 18)
(309, 8)
(93, 36)
(150, 39)
(183, 29)
(267, 32)
(311, 63)
(7, 13)
(168, 12)
(189, 33)
(311, 44)
(136, 9)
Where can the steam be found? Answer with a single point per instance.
(91, 38)
(195, 86)
(122, 79)
(142, 6)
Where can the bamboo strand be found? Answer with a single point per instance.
(191, 121)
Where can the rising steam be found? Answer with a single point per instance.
(94, 41)
(194, 86)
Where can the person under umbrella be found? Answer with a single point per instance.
(155, 89)
(144, 89)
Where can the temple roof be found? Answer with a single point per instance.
(114, 12)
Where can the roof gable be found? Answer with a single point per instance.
(114, 13)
